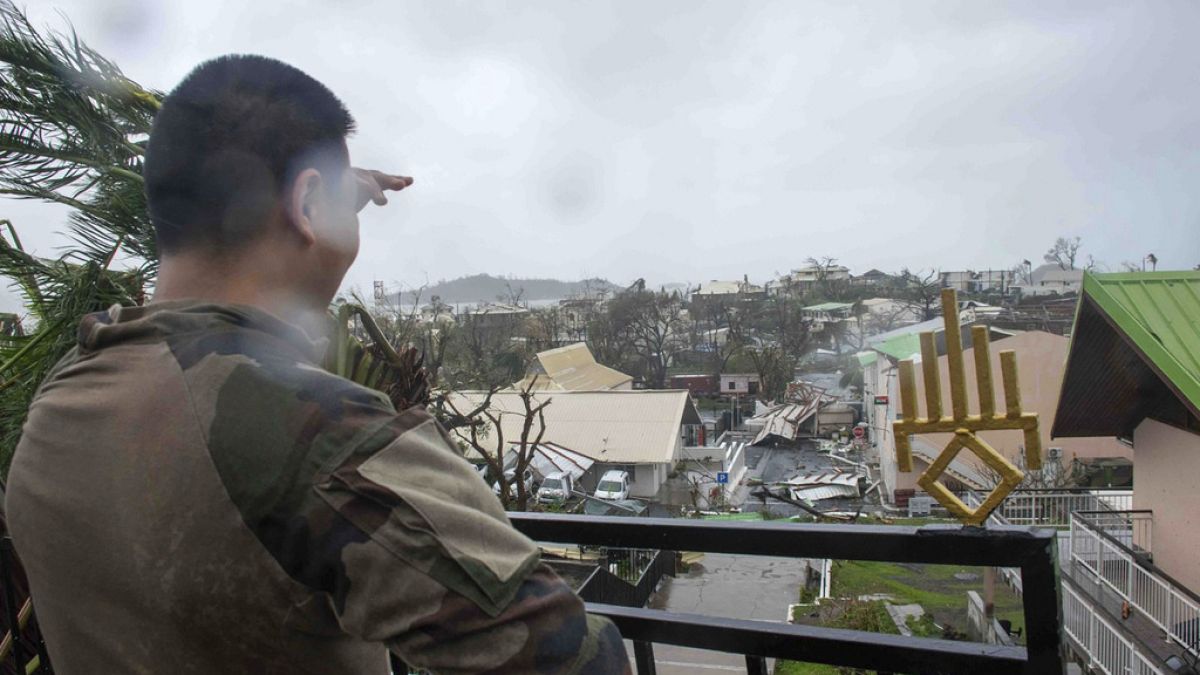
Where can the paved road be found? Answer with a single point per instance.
(732, 586)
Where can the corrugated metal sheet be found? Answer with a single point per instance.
(1160, 312)
(608, 426)
(783, 420)
(814, 493)
(549, 457)
(573, 368)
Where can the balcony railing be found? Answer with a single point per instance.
(1032, 551)
(1053, 508)
(1113, 548)
(1107, 648)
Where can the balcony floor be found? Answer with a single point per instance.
(1150, 639)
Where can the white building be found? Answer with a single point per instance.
(641, 432)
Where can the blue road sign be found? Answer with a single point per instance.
(722, 477)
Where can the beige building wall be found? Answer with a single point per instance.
(1041, 363)
(1166, 471)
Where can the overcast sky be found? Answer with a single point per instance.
(681, 142)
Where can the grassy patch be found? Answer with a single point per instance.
(797, 668)
(931, 586)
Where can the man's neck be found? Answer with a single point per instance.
(230, 282)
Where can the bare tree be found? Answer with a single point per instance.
(482, 429)
(716, 331)
(922, 291)
(1063, 253)
(1022, 273)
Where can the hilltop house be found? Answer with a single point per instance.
(1050, 278)
(727, 293)
(803, 280)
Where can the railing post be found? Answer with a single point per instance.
(756, 665)
(643, 657)
(1129, 578)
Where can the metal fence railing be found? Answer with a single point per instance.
(1030, 550)
(1053, 508)
(1113, 556)
(1106, 648)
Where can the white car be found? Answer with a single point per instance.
(613, 486)
(510, 477)
(557, 488)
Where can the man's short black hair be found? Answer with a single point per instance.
(228, 140)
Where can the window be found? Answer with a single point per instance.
(732, 385)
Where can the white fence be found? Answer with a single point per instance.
(1113, 564)
(1107, 650)
(1053, 508)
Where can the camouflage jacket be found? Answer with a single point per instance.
(192, 494)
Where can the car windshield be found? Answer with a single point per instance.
(552, 483)
(610, 486)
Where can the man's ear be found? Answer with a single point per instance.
(302, 201)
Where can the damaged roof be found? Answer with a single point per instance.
(573, 368)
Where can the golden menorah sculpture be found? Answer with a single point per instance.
(964, 426)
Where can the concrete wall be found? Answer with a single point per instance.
(1166, 467)
(980, 627)
(740, 382)
(647, 478)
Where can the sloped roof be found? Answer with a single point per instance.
(1135, 351)
(727, 288)
(1061, 275)
(828, 307)
(608, 426)
(573, 368)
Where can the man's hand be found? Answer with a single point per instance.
(372, 184)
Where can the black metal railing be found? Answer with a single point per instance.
(625, 588)
(1030, 550)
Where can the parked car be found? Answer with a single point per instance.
(557, 488)
(510, 477)
(613, 486)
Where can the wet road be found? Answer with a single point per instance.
(731, 586)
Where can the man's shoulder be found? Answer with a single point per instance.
(272, 419)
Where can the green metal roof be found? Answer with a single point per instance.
(1160, 313)
(867, 358)
(829, 306)
(900, 347)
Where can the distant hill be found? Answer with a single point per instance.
(486, 288)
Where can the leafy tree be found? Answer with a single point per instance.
(777, 336)
(648, 326)
(72, 132)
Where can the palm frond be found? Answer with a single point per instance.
(72, 130)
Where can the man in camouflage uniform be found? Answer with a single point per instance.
(193, 494)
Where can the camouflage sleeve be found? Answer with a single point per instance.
(441, 576)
